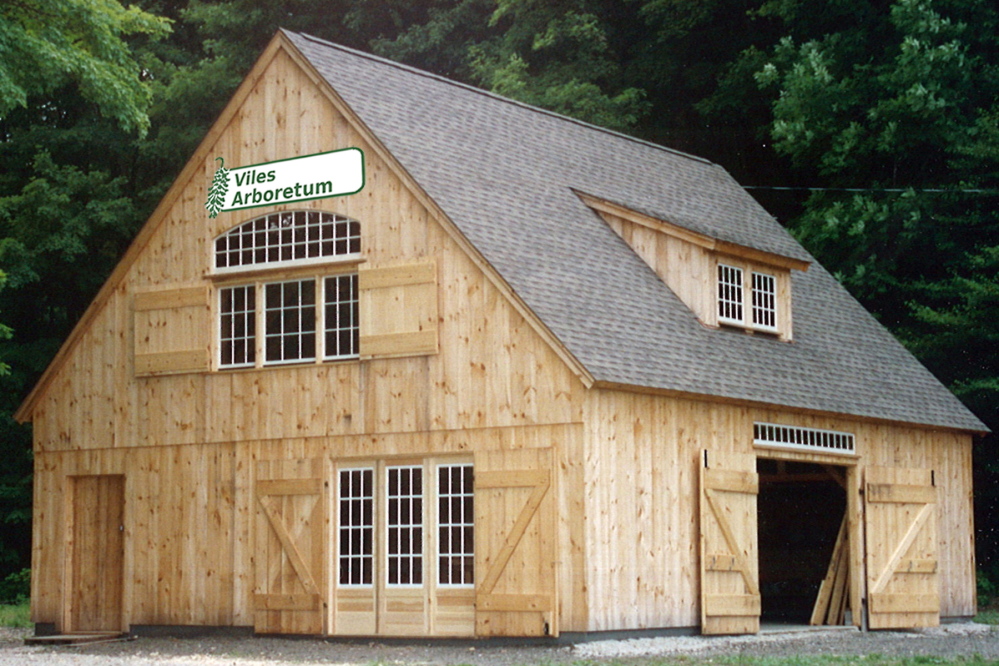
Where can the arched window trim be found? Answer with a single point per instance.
(316, 237)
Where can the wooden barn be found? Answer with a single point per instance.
(535, 378)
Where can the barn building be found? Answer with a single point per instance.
(535, 378)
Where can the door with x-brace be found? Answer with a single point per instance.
(903, 587)
(289, 499)
(730, 579)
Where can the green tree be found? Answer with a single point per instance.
(45, 44)
(891, 108)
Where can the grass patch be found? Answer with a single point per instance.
(15, 615)
(804, 660)
(987, 616)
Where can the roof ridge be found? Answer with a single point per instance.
(530, 107)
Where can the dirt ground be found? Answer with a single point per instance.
(947, 641)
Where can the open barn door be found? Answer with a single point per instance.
(515, 544)
(730, 589)
(903, 588)
(290, 535)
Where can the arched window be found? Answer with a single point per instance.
(292, 236)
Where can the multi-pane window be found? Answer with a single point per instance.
(292, 236)
(290, 321)
(747, 298)
(404, 534)
(455, 525)
(730, 296)
(293, 314)
(357, 526)
(341, 325)
(764, 300)
(237, 326)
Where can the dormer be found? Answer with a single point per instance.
(727, 285)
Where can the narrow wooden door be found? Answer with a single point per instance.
(515, 544)
(290, 547)
(903, 588)
(730, 589)
(97, 553)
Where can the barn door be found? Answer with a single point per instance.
(96, 554)
(903, 589)
(289, 497)
(515, 544)
(730, 590)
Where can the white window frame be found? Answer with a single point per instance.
(322, 328)
(336, 326)
(804, 439)
(744, 294)
(417, 550)
(356, 530)
(763, 300)
(306, 316)
(731, 294)
(464, 525)
(316, 236)
(248, 315)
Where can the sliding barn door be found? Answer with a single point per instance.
(289, 558)
(515, 544)
(903, 589)
(730, 589)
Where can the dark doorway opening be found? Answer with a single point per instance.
(801, 507)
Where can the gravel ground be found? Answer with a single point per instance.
(948, 641)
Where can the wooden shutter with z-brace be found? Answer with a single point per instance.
(289, 556)
(730, 589)
(515, 544)
(903, 587)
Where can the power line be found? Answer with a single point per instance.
(870, 189)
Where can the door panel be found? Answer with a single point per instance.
(289, 562)
(903, 587)
(515, 544)
(730, 590)
(97, 553)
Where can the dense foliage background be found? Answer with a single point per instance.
(870, 128)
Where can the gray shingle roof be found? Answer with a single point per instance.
(505, 172)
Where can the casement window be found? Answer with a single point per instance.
(290, 321)
(289, 316)
(764, 300)
(237, 332)
(747, 298)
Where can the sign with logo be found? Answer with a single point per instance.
(333, 174)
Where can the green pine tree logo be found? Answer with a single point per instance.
(216, 193)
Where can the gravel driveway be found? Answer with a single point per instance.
(948, 641)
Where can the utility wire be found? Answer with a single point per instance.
(868, 189)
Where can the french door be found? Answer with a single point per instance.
(404, 548)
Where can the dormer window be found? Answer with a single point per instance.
(747, 298)
(724, 284)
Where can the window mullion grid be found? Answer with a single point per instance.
(260, 328)
(320, 319)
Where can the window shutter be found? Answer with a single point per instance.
(171, 331)
(398, 310)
